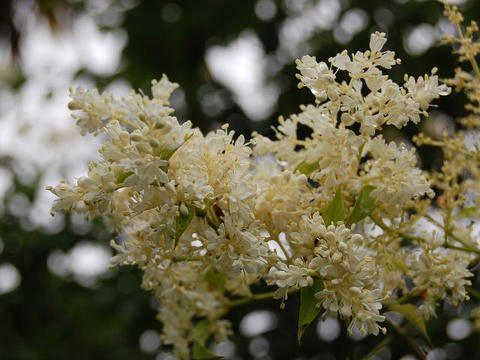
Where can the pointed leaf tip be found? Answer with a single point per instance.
(336, 210)
(364, 205)
(308, 309)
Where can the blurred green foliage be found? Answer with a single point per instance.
(53, 317)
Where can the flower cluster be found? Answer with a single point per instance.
(205, 216)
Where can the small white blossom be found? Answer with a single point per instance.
(162, 90)
(288, 276)
(425, 89)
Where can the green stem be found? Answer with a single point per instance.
(451, 147)
(256, 297)
(474, 293)
(466, 247)
(212, 218)
(472, 59)
(419, 352)
(387, 340)
(379, 222)
(447, 226)
(385, 228)
(474, 63)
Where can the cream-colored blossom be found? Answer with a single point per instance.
(394, 173)
(349, 274)
(439, 274)
(202, 214)
(162, 90)
(288, 276)
(425, 89)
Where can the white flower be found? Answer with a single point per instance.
(162, 89)
(287, 276)
(316, 76)
(394, 173)
(439, 274)
(196, 212)
(348, 274)
(377, 41)
(425, 89)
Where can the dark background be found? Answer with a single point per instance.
(57, 317)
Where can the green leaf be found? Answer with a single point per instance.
(165, 154)
(468, 212)
(200, 334)
(308, 309)
(201, 352)
(412, 314)
(336, 210)
(212, 218)
(182, 221)
(363, 207)
(123, 176)
(306, 168)
(201, 331)
(215, 280)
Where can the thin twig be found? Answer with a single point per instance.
(453, 236)
(408, 339)
(256, 297)
(387, 340)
